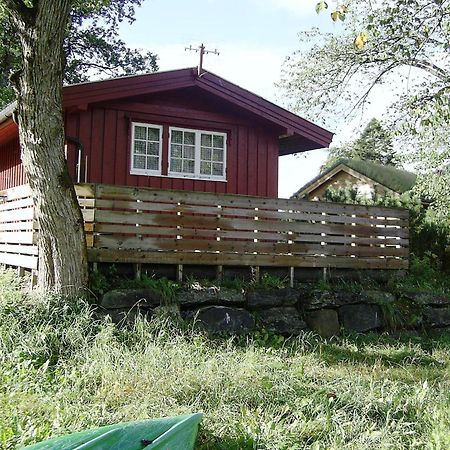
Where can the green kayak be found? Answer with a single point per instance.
(172, 433)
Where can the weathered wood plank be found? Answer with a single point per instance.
(16, 215)
(16, 193)
(213, 210)
(156, 231)
(127, 217)
(163, 257)
(19, 249)
(192, 198)
(29, 262)
(16, 204)
(155, 244)
(27, 237)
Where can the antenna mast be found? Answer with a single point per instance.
(202, 50)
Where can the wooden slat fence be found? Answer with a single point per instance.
(142, 225)
(17, 228)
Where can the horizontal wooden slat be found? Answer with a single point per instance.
(26, 237)
(244, 235)
(15, 204)
(132, 256)
(17, 226)
(233, 224)
(16, 215)
(16, 193)
(193, 198)
(215, 211)
(29, 262)
(119, 242)
(20, 249)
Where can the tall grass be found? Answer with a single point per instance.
(61, 371)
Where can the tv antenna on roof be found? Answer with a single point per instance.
(202, 50)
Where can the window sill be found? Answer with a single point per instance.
(145, 173)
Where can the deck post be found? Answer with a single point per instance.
(137, 271)
(291, 276)
(255, 274)
(20, 272)
(219, 273)
(33, 280)
(179, 273)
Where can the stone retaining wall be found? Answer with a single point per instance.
(289, 311)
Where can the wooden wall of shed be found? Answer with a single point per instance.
(252, 153)
(11, 169)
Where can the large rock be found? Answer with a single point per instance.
(326, 299)
(375, 297)
(211, 295)
(122, 316)
(437, 317)
(223, 319)
(428, 298)
(128, 298)
(361, 318)
(333, 299)
(324, 322)
(272, 297)
(285, 321)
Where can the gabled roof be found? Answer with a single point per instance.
(298, 134)
(394, 179)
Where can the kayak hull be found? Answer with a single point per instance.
(174, 433)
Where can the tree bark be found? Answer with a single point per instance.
(62, 242)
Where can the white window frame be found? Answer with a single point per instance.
(197, 175)
(137, 171)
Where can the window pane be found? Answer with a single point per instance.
(153, 134)
(139, 162)
(189, 152)
(206, 140)
(217, 155)
(218, 141)
(205, 154)
(189, 138)
(139, 147)
(188, 166)
(217, 169)
(205, 168)
(175, 165)
(152, 163)
(153, 148)
(176, 150)
(177, 137)
(140, 132)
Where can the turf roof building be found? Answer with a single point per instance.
(368, 177)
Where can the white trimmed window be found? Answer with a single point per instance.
(146, 149)
(197, 154)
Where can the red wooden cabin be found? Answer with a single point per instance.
(171, 130)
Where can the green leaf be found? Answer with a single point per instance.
(335, 15)
(321, 6)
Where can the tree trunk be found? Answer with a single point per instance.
(62, 242)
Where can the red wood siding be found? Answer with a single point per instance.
(11, 169)
(104, 130)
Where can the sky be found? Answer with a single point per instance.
(253, 37)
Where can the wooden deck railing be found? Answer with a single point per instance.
(141, 225)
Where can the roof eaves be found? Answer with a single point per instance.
(7, 111)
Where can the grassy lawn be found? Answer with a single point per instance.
(62, 371)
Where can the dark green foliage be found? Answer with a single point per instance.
(374, 144)
(102, 282)
(427, 235)
(92, 45)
